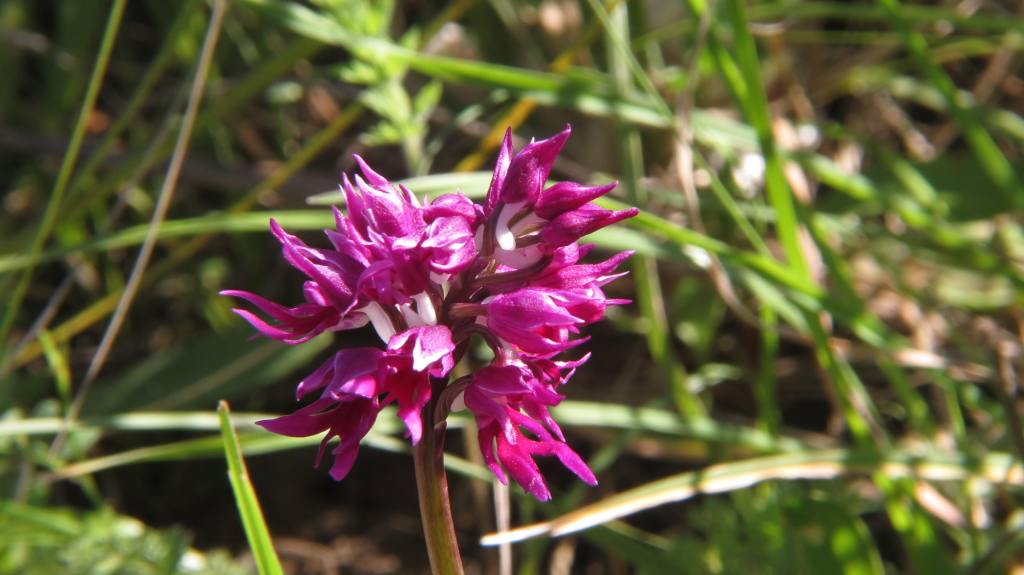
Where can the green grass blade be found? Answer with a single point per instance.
(148, 81)
(218, 222)
(646, 420)
(210, 446)
(136, 421)
(995, 164)
(471, 184)
(766, 385)
(766, 266)
(645, 269)
(755, 106)
(67, 165)
(58, 362)
(923, 547)
(255, 440)
(618, 35)
(219, 109)
(917, 13)
(652, 421)
(248, 506)
(298, 220)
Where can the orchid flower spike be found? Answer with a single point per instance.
(429, 276)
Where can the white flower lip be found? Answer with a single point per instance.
(502, 234)
(425, 308)
(379, 320)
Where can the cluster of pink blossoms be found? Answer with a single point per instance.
(428, 277)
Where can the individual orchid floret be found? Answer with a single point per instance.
(428, 277)
(377, 207)
(347, 407)
(449, 237)
(349, 419)
(295, 324)
(535, 321)
(412, 358)
(509, 438)
(526, 221)
(329, 294)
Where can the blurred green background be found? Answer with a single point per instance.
(819, 372)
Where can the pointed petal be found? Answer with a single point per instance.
(500, 171)
(571, 226)
(530, 168)
(565, 196)
(371, 176)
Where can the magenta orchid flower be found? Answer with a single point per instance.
(429, 276)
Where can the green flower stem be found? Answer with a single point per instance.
(435, 508)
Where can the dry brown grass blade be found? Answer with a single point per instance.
(732, 476)
(159, 214)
